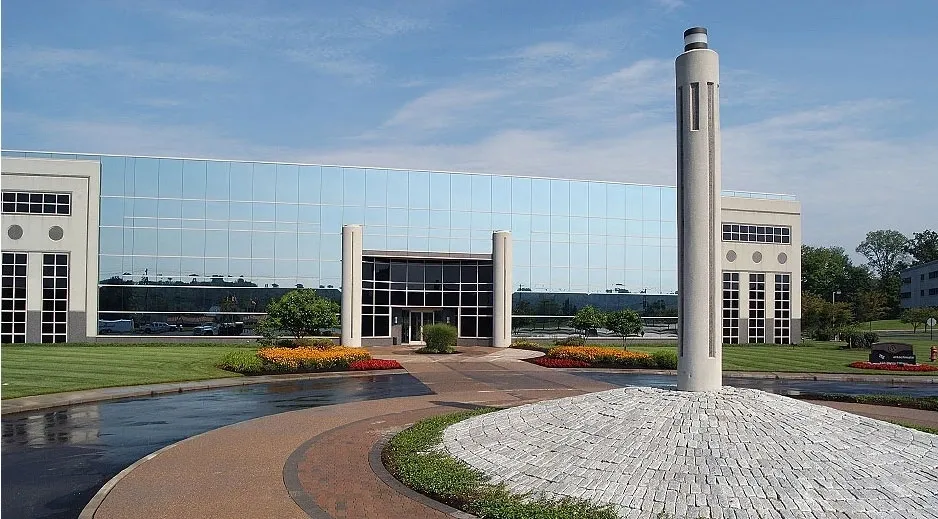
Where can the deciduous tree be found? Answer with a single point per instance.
(587, 319)
(923, 247)
(885, 250)
(623, 323)
(303, 312)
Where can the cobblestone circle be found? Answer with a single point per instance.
(736, 453)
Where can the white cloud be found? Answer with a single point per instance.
(439, 109)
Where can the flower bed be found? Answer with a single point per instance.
(309, 359)
(549, 362)
(891, 366)
(599, 356)
(365, 365)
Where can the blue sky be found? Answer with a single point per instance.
(831, 101)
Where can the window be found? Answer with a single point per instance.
(21, 202)
(907, 281)
(465, 285)
(757, 308)
(933, 274)
(13, 322)
(933, 291)
(54, 297)
(905, 295)
(731, 307)
(782, 327)
(756, 233)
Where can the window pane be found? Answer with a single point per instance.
(170, 178)
(397, 189)
(112, 176)
(560, 197)
(439, 191)
(193, 179)
(481, 193)
(633, 202)
(354, 186)
(216, 180)
(419, 189)
(287, 183)
(460, 189)
(376, 188)
(146, 177)
(597, 200)
(241, 180)
(310, 184)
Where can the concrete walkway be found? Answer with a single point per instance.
(315, 462)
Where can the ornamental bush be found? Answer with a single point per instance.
(572, 340)
(440, 338)
(302, 359)
(524, 344)
(665, 359)
(242, 361)
(599, 356)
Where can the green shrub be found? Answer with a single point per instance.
(242, 361)
(440, 338)
(665, 359)
(856, 338)
(524, 344)
(572, 340)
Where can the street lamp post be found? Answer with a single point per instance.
(834, 295)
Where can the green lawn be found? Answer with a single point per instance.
(812, 357)
(34, 369)
(888, 324)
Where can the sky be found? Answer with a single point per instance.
(830, 101)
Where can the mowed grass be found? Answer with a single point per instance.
(810, 357)
(35, 369)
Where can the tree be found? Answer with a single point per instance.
(915, 316)
(820, 318)
(823, 269)
(869, 306)
(623, 323)
(885, 251)
(303, 312)
(587, 320)
(923, 247)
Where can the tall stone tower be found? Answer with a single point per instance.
(699, 281)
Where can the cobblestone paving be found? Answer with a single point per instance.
(737, 453)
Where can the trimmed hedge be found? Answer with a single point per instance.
(524, 344)
(440, 338)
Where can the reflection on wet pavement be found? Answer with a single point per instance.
(54, 461)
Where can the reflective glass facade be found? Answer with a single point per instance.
(214, 224)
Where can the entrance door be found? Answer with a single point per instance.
(417, 322)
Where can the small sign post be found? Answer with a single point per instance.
(931, 324)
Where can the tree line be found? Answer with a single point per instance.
(836, 293)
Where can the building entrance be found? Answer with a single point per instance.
(413, 323)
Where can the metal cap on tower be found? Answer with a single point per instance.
(695, 38)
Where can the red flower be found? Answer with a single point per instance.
(365, 365)
(548, 362)
(891, 366)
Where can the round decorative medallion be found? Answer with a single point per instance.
(15, 232)
(757, 257)
(782, 258)
(56, 233)
(731, 256)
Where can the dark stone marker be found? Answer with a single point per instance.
(898, 352)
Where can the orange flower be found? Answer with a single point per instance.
(312, 358)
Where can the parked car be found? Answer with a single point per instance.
(206, 329)
(158, 327)
(117, 326)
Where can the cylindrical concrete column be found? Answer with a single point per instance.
(502, 286)
(352, 285)
(698, 215)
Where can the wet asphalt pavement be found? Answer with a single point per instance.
(53, 462)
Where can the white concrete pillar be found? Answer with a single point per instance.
(698, 215)
(501, 267)
(352, 286)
